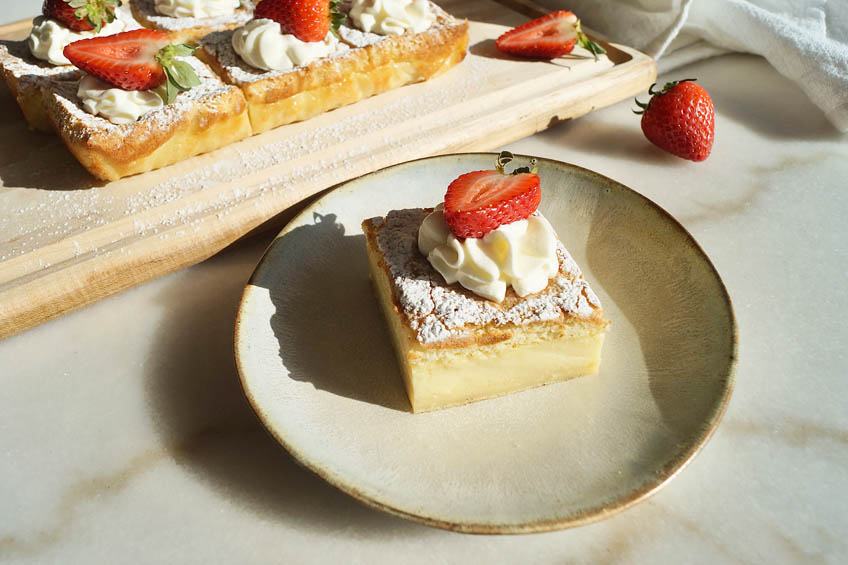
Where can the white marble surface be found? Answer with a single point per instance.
(125, 437)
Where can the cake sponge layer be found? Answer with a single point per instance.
(488, 359)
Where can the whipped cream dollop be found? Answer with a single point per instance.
(520, 254)
(392, 17)
(197, 8)
(116, 105)
(262, 44)
(48, 38)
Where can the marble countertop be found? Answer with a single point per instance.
(125, 436)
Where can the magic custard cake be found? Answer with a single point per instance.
(354, 64)
(38, 63)
(455, 346)
(272, 63)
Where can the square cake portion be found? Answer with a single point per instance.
(455, 347)
(27, 76)
(188, 29)
(209, 116)
(364, 65)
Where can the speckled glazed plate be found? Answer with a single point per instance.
(317, 364)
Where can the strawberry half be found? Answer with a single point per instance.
(141, 59)
(680, 119)
(548, 37)
(478, 202)
(81, 15)
(308, 20)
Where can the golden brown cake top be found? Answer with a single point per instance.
(17, 60)
(219, 45)
(147, 10)
(438, 312)
(83, 124)
(355, 37)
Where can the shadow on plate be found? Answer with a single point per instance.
(333, 336)
(681, 315)
(207, 425)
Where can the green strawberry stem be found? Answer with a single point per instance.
(666, 87)
(337, 18)
(180, 75)
(96, 12)
(506, 157)
(583, 41)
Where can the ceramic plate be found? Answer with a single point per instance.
(317, 364)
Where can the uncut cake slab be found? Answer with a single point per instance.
(67, 239)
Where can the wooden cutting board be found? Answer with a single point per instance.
(68, 240)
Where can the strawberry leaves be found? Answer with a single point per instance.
(180, 75)
(506, 157)
(95, 12)
(590, 45)
(337, 18)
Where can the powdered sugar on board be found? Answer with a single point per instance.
(438, 312)
(161, 118)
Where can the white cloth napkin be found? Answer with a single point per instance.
(805, 40)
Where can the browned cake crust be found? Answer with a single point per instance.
(205, 118)
(277, 98)
(188, 30)
(419, 293)
(26, 76)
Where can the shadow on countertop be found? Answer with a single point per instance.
(208, 426)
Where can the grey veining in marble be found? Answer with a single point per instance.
(125, 437)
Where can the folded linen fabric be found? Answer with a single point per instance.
(805, 40)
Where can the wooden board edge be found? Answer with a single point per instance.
(15, 28)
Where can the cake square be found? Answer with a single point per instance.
(27, 76)
(208, 116)
(368, 64)
(455, 347)
(188, 29)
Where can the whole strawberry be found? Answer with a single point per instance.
(680, 119)
(81, 15)
(308, 20)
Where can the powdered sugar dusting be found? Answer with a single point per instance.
(220, 46)
(438, 312)
(65, 94)
(146, 9)
(37, 218)
(16, 58)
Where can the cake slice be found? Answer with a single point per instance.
(361, 65)
(27, 75)
(121, 127)
(186, 27)
(455, 347)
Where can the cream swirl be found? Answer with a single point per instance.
(392, 17)
(262, 44)
(197, 8)
(116, 105)
(520, 254)
(48, 38)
